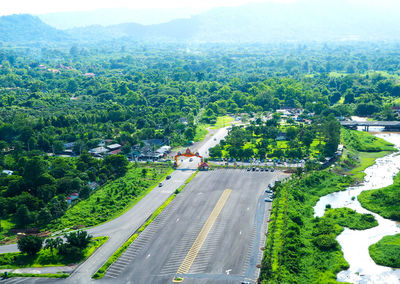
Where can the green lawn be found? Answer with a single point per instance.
(6, 225)
(47, 258)
(222, 121)
(114, 198)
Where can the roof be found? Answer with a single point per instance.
(98, 150)
(74, 194)
(114, 146)
(115, 152)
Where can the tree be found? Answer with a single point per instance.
(79, 239)
(30, 245)
(44, 216)
(118, 164)
(53, 243)
(23, 216)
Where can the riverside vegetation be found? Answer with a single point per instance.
(301, 248)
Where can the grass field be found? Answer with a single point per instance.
(47, 258)
(114, 198)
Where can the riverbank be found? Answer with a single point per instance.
(301, 246)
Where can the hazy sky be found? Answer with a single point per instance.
(45, 6)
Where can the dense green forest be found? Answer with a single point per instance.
(127, 93)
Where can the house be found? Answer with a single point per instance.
(98, 151)
(72, 197)
(163, 150)
(7, 172)
(115, 152)
(89, 75)
(114, 147)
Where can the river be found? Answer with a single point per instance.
(355, 243)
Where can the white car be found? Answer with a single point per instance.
(268, 200)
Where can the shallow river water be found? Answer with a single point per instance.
(355, 243)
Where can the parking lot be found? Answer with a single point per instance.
(211, 233)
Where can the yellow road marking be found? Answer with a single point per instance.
(198, 243)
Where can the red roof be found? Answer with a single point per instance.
(115, 152)
(74, 194)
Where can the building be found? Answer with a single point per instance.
(113, 147)
(7, 172)
(164, 150)
(72, 197)
(98, 151)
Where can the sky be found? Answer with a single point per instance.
(8, 7)
(36, 7)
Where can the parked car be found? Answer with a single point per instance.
(248, 169)
(268, 200)
(160, 184)
(168, 177)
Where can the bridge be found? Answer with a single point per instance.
(388, 125)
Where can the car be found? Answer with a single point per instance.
(261, 169)
(168, 177)
(253, 169)
(268, 200)
(191, 160)
(271, 196)
(272, 169)
(268, 190)
(248, 169)
(257, 169)
(215, 139)
(160, 184)
(266, 169)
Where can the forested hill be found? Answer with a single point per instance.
(301, 21)
(27, 28)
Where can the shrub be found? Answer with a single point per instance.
(30, 244)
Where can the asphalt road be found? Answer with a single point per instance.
(231, 248)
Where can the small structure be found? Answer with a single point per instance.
(72, 197)
(162, 151)
(204, 166)
(98, 151)
(7, 172)
(114, 147)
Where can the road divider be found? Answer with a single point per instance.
(198, 243)
(102, 270)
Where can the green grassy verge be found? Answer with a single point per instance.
(386, 252)
(114, 198)
(102, 270)
(47, 258)
(46, 275)
(384, 201)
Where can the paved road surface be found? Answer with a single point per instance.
(229, 251)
